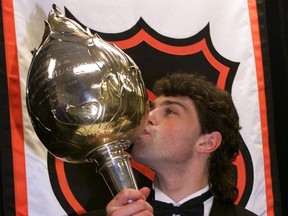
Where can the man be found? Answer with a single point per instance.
(190, 141)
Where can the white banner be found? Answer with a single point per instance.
(234, 34)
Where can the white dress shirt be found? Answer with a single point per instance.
(160, 196)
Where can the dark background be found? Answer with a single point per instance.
(277, 29)
(276, 62)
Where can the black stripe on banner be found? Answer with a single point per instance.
(7, 198)
(56, 187)
(271, 98)
(277, 31)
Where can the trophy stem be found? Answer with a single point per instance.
(114, 165)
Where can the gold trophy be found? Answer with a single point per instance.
(86, 99)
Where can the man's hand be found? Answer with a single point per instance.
(130, 202)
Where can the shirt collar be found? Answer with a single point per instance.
(160, 196)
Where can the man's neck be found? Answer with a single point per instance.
(178, 185)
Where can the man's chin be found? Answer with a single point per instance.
(137, 154)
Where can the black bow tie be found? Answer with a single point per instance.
(193, 207)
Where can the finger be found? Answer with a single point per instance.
(120, 203)
(140, 207)
(145, 191)
(125, 196)
(144, 213)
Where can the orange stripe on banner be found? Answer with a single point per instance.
(200, 46)
(143, 169)
(241, 180)
(151, 95)
(223, 70)
(144, 36)
(15, 106)
(65, 188)
(262, 100)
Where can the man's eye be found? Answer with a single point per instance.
(169, 111)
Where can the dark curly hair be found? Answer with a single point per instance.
(216, 112)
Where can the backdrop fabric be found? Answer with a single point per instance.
(218, 39)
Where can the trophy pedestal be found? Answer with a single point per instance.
(114, 165)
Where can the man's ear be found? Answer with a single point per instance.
(209, 142)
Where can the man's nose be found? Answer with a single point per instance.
(153, 117)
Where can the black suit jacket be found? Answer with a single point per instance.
(223, 209)
(218, 209)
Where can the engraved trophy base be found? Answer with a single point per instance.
(114, 165)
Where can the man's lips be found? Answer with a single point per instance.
(145, 132)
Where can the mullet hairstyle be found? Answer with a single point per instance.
(216, 112)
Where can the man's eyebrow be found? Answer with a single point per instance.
(166, 103)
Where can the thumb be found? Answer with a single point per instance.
(145, 191)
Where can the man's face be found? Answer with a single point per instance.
(170, 136)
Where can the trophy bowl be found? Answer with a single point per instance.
(86, 99)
